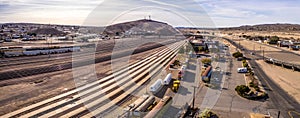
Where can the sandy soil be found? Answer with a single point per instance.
(252, 45)
(285, 78)
(269, 51)
(294, 34)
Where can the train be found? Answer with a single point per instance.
(139, 107)
(140, 110)
(207, 74)
(29, 51)
(158, 107)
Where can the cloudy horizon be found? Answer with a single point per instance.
(189, 13)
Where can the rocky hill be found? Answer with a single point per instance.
(140, 27)
(267, 27)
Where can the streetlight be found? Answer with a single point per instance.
(263, 53)
(194, 96)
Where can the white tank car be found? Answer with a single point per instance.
(168, 79)
(154, 88)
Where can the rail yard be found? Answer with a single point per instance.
(149, 68)
(114, 92)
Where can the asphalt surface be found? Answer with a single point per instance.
(279, 98)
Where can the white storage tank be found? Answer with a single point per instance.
(154, 88)
(168, 79)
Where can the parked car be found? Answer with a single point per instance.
(240, 58)
(242, 70)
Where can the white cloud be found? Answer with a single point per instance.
(175, 12)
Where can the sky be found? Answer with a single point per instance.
(186, 13)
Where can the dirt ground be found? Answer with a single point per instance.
(294, 34)
(269, 51)
(21, 92)
(285, 78)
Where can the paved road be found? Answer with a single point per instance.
(228, 103)
(279, 99)
(184, 95)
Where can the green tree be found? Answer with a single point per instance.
(176, 62)
(206, 61)
(200, 48)
(237, 54)
(242, 89)
(273, 40)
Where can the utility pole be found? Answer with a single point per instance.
(239, 43)
(260, 49)
(263, 54)
(48, 47)
(194, 97)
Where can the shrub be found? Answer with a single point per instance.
(201, 48)
(256, 88)
(242, 89)
(206, 61)
(237, 54)
(176, 62)
(245, 64)
(251, 73)
(273, 40)
(251, 84)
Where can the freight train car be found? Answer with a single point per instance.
(207, 74)
(25, 51)
(154, 88)
(143, 107)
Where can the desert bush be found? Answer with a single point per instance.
(251, 84)
(242, 90)
(206, 61)
(237, 54)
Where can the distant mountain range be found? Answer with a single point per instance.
(266, 27)
(157, 27)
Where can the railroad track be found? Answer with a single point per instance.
(99, 95)
(9, 74)
(105, 47)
